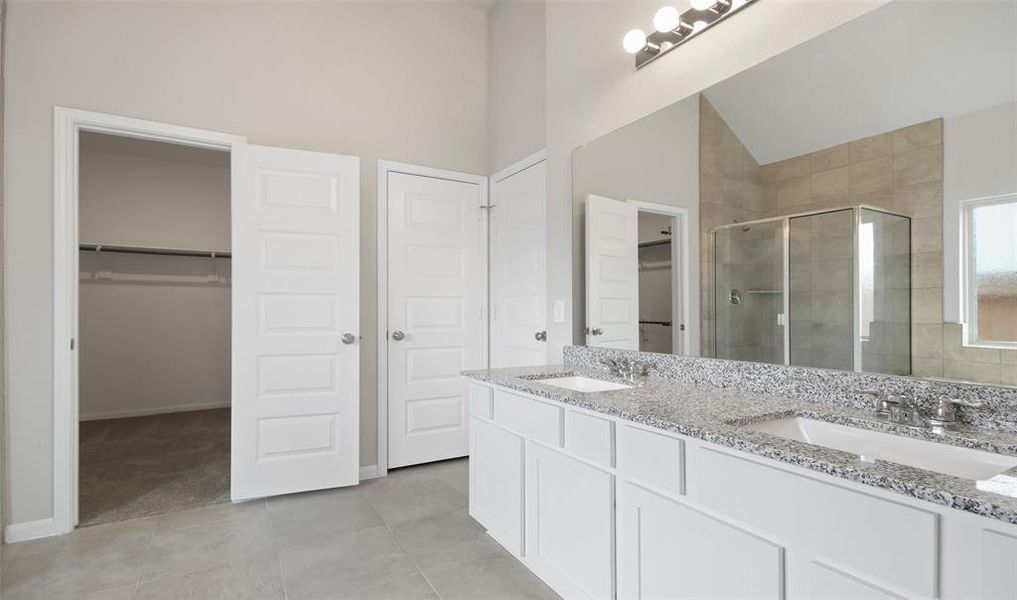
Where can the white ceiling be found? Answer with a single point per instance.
(904, 63)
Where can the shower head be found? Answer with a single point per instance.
(746, 228)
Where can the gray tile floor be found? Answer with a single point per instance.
(405, 536)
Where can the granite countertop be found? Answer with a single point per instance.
(716, 415)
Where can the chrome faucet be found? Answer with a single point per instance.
(906, 411)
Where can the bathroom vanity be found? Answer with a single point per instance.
(666, 487)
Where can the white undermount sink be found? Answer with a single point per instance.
(870, 445)
(579, 383)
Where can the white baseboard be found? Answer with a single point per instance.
(30, 530)
(158, 410)
(369, 472)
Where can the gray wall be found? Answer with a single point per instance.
(393, 80)
(515, 81)
(138, 314)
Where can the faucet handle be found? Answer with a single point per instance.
(945, 412)
(883, 400)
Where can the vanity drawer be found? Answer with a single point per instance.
(481, 400)
(892, 542)
(590, 437)
(528, 417)
(652, 460)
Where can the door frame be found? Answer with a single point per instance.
(384, 168)
(680, 339)
(67, 124)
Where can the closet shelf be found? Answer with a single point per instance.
(155, 250)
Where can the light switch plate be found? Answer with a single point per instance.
(558, 308)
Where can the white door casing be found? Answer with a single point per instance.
(518, 267)
(437, 318)
(612, 273)
(296, 294)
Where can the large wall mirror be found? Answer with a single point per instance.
(850, 204)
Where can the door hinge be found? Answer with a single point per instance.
(72, 343)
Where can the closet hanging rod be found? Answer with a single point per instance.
(653, 243)
(155, 251)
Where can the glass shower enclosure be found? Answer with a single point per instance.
(828, 289)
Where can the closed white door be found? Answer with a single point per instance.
(437, 322)
(518, 259)
(296, 315)
(612, 273)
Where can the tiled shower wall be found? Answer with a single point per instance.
(901, 171)
(730, 191)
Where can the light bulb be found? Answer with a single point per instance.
(698, 26)
(666, 19)
(634, 41)
(702, 4)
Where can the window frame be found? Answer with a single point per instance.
(969, 286)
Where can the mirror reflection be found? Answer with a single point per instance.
(844, 205)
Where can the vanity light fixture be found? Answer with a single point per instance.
(674, 27)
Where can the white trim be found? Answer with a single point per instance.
(30, 530)
(384, 168)
(680, 256)
(534, 159)
(156, 410)
(969, 335)
(67, 123)
(369, 472)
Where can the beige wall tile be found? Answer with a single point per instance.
(926, 367)
(927, 340)
(918, 166)
(1008, 357)
(918, 136)
(927, 270)
(980, 372)
(791, 168)
(921, 200)
(879, 199)
(955, 350)
(871, 176)
(927, 306)
(831, 158)
(926, 235)
(1008, 374)
(831, 185)
(876, 146)
(794, 193)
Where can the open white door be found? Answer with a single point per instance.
(518, 280)
(437, 317)
(612, 273)
(296, 314)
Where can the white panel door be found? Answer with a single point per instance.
(437, 290)
(296, 295)
(612, 273)
(518, 280)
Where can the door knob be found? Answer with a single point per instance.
(596, 331)
(398, 335)
(349, 338)
(540, 336)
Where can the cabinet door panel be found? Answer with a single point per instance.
(827, 583)
(668, 550)
(496, 483)
(999, 566)
(569, 523)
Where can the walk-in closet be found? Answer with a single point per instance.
(154, 327)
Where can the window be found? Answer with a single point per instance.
(991, 271)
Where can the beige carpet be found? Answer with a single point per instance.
(145, 466)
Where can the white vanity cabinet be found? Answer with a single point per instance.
(600, 507)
